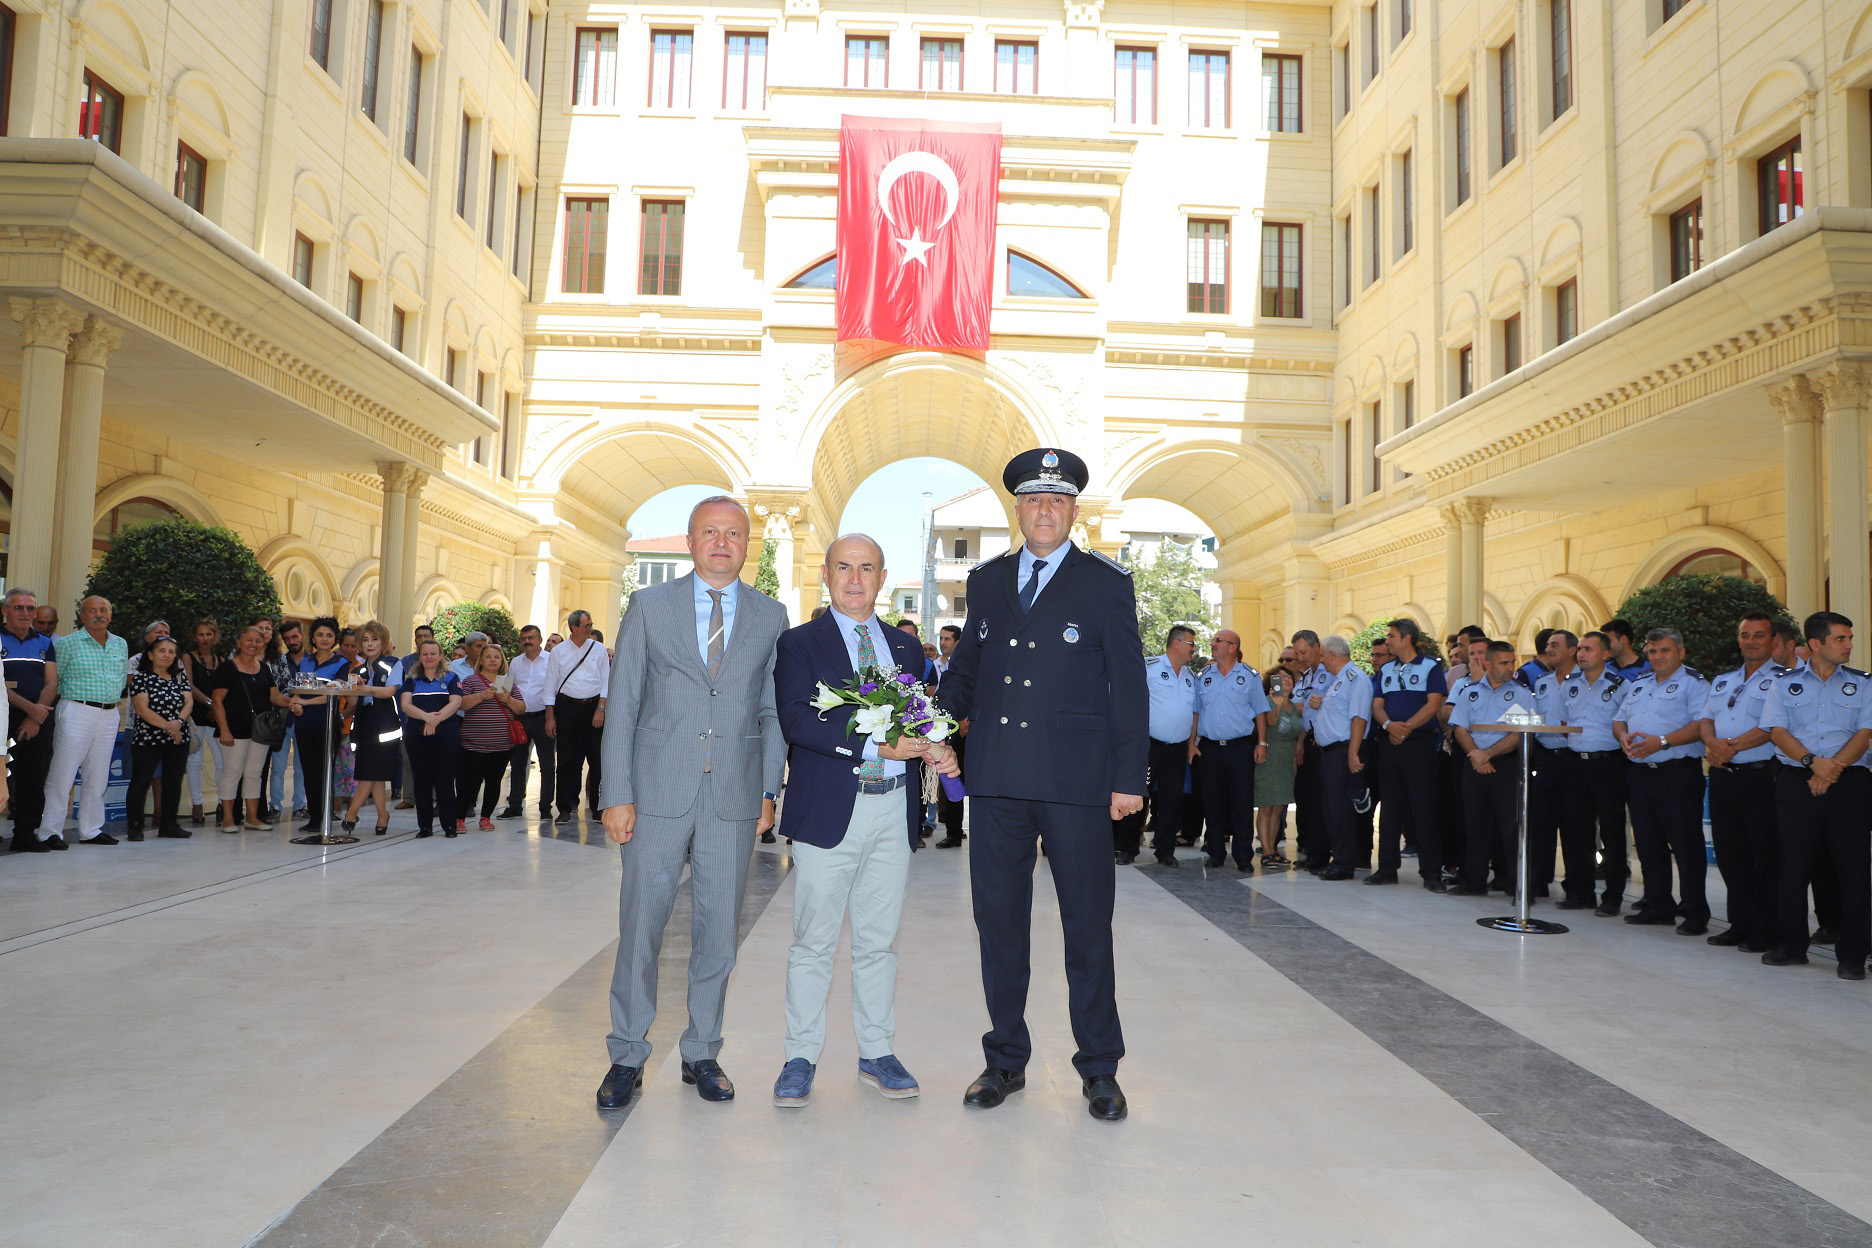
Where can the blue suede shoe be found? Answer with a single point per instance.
(888, 1076)
(794, 1086)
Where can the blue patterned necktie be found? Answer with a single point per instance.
(873, 769)
(1032, 590)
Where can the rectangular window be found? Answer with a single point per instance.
(481, 380)
(9, 30)
(191, 176)
(587, 226)
(1511, 344)
(1778, 176)
(1135, 86)
(399, 327)
(1374, 235)
(1686, 240)
(1280, 93)
(532, 41)
(1346, 257)
(1280, 269)
(318, 47)
(1407, 397)
(373, 52)
(1403, 19)
(1372, 51)
(100, 114)
(961, 605)
(302, 260)
(490, 228)
(1560, 36)
(1342, 57)
(1673, 7)
(1375, 419)
(1566, 311)
(522, 204)
(1017, 67)
(506, 22)
(448, 367)
(744, 71)
(867, 61)
(594, 67)
(661, 270)
(961, 548)
(1505, 101)
(1208, 90)
(942, 65)
(506, 435)
(1465, 371)
(1407, 204)
(464, 171)
(1208, 266)
(670, 60)
(1462, 146)
(354, 297)
(1345, 462)
(412, 114)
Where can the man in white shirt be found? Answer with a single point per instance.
(578, 681)
(528, 669)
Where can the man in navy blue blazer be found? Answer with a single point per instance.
(852, 810)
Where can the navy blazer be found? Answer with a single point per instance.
(822, 757)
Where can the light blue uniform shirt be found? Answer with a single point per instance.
(1305, 686)
(1483, 703)
(1735, 706)
(1653, 708)
(1593, 705)
(1172, 699)
(848, 629)
(1547, 699)
(1822, 715)
(1227, 702)
(1025, 571)
(705, 607)
(1343, 698)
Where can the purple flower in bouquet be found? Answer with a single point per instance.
(869, 686)
(906, 678)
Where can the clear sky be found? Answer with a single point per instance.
(889, 506)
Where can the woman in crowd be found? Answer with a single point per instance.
(1274, 779)
(199, 664)
(280, 666)
(376, 728)
(160, 697)
(316, 745)
(485, 740)
(431, 694)
(244, 685)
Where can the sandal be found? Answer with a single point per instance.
(487, 825)
(385, 828)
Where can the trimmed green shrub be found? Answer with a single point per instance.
(451, 624)
(1705, 608)
(179, 570)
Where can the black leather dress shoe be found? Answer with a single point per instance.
(1823, 936)
(1776, 957)
(1336, 873)
(1574, 903)
(1851, 970)
(1386, 876)
(949, 842)
(619, 1086)
(1128, 858)
(1467, 890)
(710, 1083)
(993, 1086)
(1756, 946)
(1433, 884)
(30, 844)
(1731, 937)
(1213, 861)
(1693, 927)
(1169, 862)
(1647, 918)
(1105, 1099)
(1609, 907)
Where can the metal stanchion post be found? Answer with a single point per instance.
(324, 836)
(1521, 921)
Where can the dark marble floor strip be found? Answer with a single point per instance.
(1669, 1182)
(492, 1157)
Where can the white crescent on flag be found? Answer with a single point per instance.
(917, 162)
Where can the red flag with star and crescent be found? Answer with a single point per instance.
(916, 227)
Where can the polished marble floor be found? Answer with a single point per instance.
(232, 1040)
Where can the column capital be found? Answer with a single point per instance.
(46, 322)
(1796, 399)
(95, 343)
(1452, 514)
(397, 475)
(1473, 510)
(1844, 384)
(775, 512)
(416, 481)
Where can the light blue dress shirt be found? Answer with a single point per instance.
(1822, 715)
(1227, 702)
(1483, 703)
(705, 607)
(1547, 699)
(1654, 707)
(1735, 706)
(1025, 571)
(1344, 697)
(848, 629)
(1172, 699)
(1593, 705)
(1305, 686)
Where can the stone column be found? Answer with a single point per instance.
(1844, 389)
(1799, 405)
(1473, 512)
(90, 351)
(392, 573)
(46, 326)
(1452, 568)
(543, 608)
(412, 525)
(776, 516)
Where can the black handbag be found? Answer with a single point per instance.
(269, 726)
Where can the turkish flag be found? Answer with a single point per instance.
(916, 226)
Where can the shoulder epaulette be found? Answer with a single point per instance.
(1616, 679)
(1109, 562)
(996, 559)
(1855, 671)
(1693, 671)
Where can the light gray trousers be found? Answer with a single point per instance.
(718, 852)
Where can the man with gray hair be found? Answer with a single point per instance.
(1659, 726)
(1341, 704)
(32, 687)
(475, 642)
(577, 678)
(93, 665)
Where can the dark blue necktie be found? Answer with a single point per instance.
(1033, 587)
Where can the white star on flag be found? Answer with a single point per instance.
(914, 248)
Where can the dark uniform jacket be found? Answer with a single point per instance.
(1056, 700)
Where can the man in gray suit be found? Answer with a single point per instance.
(692, 756)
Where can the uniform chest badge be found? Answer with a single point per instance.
(1573, 692)
(1670, 688)
(1165, 673)
(1071, 634)
(1764, 685)
(1720, 684)
(1207, 681)
(1474, 694)
(981, 631)
(1795, 687)
(1415, 679)
(1606, 696)
(1508, 696)
(1849, 690)
(1242, 680)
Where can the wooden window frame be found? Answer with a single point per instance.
(1507, 116)
(319, 38)
(354, 297)
(1208, 56)
(1203, 239)
(1566, 311)
(1560, 56)
(1275, 296)
(1463, 149)
(184, 154)
(675, 34)
(746, 105)
(923, 63)
(1274, 96)
(304, 258)
(412, 110)
(373, 57)
(595, 85)
(1689, 221)
(1768, 199)
(591, 276)
(97, 94)
(647, 247)
(1014, 77)
(1134, 49)
(883, 60)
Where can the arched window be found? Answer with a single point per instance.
(123, 515)
(1027, 276)
(821, 276)
(1719, 563)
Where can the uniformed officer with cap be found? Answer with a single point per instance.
(1820, 716)
(1742, 787)
(1592, 829)
(1050, 674)
(1172, 684)
(1659, 726)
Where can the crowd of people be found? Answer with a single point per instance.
(354, 723)
(1409, 755)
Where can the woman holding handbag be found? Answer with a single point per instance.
(160, 698)
(243, 685)
(376, 728)
(431, 694)
(489, 726)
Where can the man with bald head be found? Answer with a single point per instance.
(1230, 738)
(92, 666)
(853, 812)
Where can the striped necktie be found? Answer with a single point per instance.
(873, 769)
(714, 636)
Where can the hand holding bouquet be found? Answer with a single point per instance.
(893, 707)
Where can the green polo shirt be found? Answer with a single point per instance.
(96, 672)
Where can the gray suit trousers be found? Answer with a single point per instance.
(718, 853)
